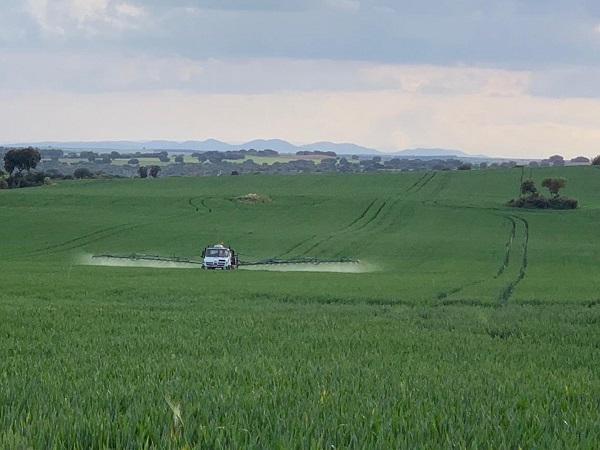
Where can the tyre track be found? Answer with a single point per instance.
(426, 182)
(91, 241)
(360, 225)
(345, 229)
(203, 204)
(385, 209)
(49, 248)
(296, 246)
(510, 288)
(508, 246)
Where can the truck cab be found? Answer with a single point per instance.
(219, 257)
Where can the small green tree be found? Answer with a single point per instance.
(82, 173)
(143, 171)
(554, 185)
(21, 159)
(154, 171)
(528, 187)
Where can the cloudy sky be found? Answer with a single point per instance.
(510, 77)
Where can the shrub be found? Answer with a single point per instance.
(154, 171)
(465, 166)
(3, 184)
(133, 162)
(143, 172)
(54, 174)
(536, 201)
(596, 161)
(179, 159)
(21, 159)
(528, 187)
(82, 173)
(554, 185)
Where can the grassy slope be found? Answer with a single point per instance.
(445, 345)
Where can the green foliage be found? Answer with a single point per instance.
(143, 171)
(528, 187)
(83, 172)
(596, 161)
(479, 329)
(21, 159)
(554, 185)
(532, 199)
(154, 171)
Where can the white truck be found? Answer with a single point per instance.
(219, 257)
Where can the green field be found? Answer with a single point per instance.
(480, 327)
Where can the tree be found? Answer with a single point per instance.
(154, 171)
(82, 173)
(143, 171)
(554, 185)
(115, 155)
(465, 166)
(179, 159)
(596, 161)
(528, 187)
(133, 162)
(21, 159)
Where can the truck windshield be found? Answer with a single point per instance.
(217, 253)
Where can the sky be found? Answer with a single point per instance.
(514, 78)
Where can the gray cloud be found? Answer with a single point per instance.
(515, 33)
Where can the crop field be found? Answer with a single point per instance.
(477, 327)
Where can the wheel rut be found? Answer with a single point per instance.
(510, 287)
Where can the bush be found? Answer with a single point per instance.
(3, 184)
(82, 173)
(154, 171)
(536, 201)
(22, 181)
(596, 161)
(465, 166)
(531, 198)
(133, 162)
(54, 174)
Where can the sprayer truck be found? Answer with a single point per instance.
(219, 257)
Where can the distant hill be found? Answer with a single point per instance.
(215, 145)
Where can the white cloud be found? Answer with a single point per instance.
(115, 96)
(436, 80)
(63, 17)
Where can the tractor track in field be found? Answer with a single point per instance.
(299, 244)
(508, 246)
(426, 182)
(50, 248)
(374, 217)
(416, 183)
(510, 288)
(97, 238)
(203, 204)
(364, 213)
(367, 220)
(345, 229)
